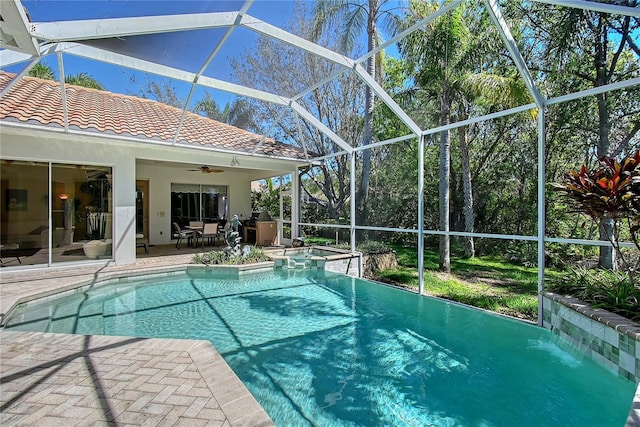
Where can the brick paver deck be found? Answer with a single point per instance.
(75, 380)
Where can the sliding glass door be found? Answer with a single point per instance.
(54, 213)
(194, 202)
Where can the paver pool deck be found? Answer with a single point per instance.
(76, 380)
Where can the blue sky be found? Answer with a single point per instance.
(191, 51)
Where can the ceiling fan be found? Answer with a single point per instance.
(206, 169)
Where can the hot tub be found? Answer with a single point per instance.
(319, 257)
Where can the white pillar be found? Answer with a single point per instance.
(124, 210)
(421, 214)
(295, 204)
(541, 208)
(352, 190)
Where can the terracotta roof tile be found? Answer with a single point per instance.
(36, 100)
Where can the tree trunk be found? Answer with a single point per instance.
(607, 255)
(445, 165)
(467, 189)
(368, 125)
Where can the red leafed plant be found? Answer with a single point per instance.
(610, 190)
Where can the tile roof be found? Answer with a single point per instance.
(38, 101)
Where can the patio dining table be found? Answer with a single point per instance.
(197, 230)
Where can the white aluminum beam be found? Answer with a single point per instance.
(542, 202)
(299, 109)
(18, 76)
(421, 215)
(90, 29)
(10, 57)
(304, 144)
(14, 29)
(512, 47)
(173, 73)
(274, 32)
(588, 242)
(386, 142)
(315, 49)
(384, 96)
(320, 83)
(595, 6)
(352, 202)
(63, 92)
(330, 156)
(486, 117)
(594, 91)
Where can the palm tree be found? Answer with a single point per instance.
(85, 80)
(42, 71)
(355, 18)
(238, 113)
(493, 90)
(209, 108)
(447, 60)
(439, 55)
(45, 72)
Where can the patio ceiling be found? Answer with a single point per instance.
(150, 44)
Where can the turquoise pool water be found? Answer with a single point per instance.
(317, 348)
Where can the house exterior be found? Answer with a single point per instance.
(116, 168)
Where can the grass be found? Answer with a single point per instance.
(490, 283)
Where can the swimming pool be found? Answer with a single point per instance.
(317, 348)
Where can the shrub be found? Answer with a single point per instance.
(249, 255)
(373, 247)
(613, 291)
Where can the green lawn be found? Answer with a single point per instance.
(485, 282)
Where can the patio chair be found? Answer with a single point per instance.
(180, 234)
(142, 241)
(209, 231)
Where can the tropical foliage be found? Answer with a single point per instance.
(252, 255)
(43, 71)
(610, 190)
